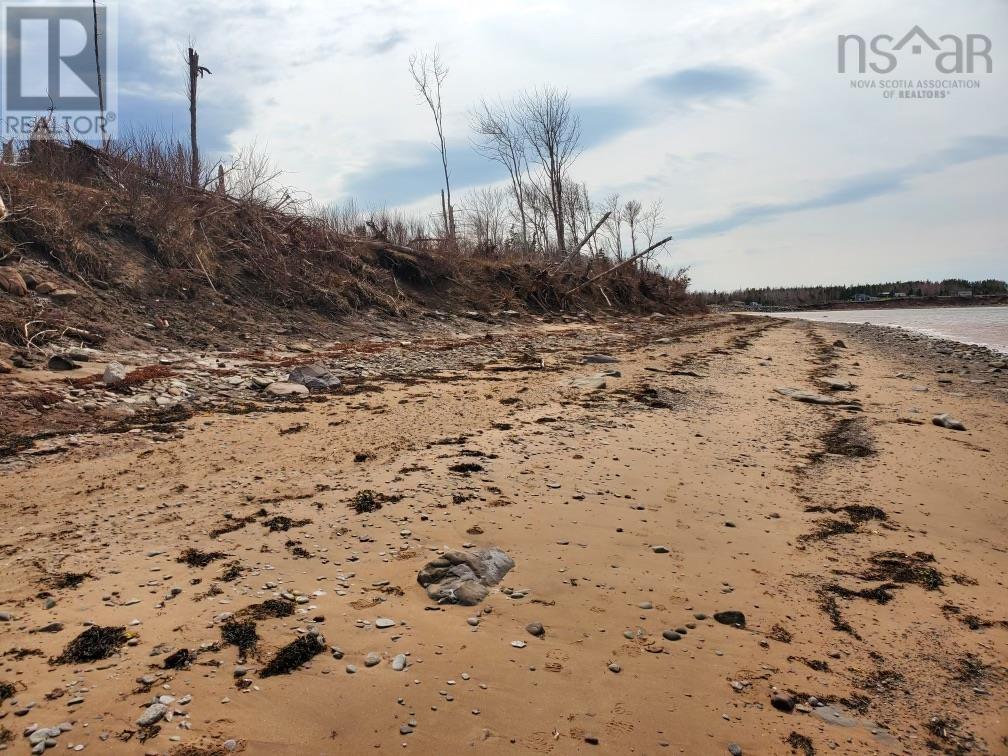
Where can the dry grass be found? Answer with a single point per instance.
(124, 218)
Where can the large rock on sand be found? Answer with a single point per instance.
(464, 577)
(281, 388)
(315, 377)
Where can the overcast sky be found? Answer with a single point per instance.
(770, 167)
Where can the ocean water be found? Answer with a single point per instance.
(986, 326)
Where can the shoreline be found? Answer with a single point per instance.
(645, 475)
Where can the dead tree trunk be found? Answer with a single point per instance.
(196, 72)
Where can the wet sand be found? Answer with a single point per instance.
(690, 450)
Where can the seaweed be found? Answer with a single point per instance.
(849, 437)
(232, 571)
(366, 500)
(465, 468)
(268, 609)
(828, 603)
(293, 655)
(181, 659)
(7, 690)
(799, 742)
(63, 580)
(283, 523)
(95, 643)
(897, 567)
(241, 634)
(880, 594)
(197, 558)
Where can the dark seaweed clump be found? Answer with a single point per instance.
(293, 655)
(7, 690)
(283, 523)
(366, 500)
(850, 438)
(71, 580)
(197, 558)
(181, 659)
(241, 634)
(799, 742)
(268, 609)
(897, 567)
(93, 644)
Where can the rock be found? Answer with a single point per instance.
(399, 662)
(405, 729)
(464, 577)
(839, 344)
(301, 347)
(230, 745)
(12, 282)
(595, 382)
(114, 373)
(287, 389)
(314, 377)
(645, 605)
(372, 660)
(734, 748)
(947, 421)
(811, 397)
(61, 362)
(671, 635)
(598, 359)
(615, 668)
(660, 549)
(834, 384)
(153, 714)
(383, 623)
(731, 617)
(536, 629)
(782, 702)
(518, 644)
(351, 669)
(45, 287)
(63, 296)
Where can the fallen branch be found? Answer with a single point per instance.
(639, 255)
(584, 241)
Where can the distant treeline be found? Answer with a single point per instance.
(812, 295)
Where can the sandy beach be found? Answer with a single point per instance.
(852, 551)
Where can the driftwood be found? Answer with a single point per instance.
(580, 245)
(618, 265)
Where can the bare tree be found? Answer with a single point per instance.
(486, 216)
(196, 72)
(614, 226)
(429, 74)
(632, 215)
(500, 138)
(553, 131)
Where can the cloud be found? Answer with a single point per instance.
(413, 171)
(858, 188)
(708, 83)
(386, 43)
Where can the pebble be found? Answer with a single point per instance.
(154, 713)
(535, 628)
(372, 660)
(614, 667)
(518, 644)
(351, 669)
(782, 702)
(671, 635)
(384, 622)
(399, 662)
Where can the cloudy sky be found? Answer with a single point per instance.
(770, 167)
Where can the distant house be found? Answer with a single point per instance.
(861, 298)
(899, 294)
(964, 293)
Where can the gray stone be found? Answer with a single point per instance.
(114, 373)
(536, 629)
(399, 662)
(946, 421)
(62, 362)
(286, 389)
(153, 714)
(314, 377)
(383, 623)
(599, 359)
(372, 660)
(464, 577)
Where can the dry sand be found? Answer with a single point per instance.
(578, 486)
